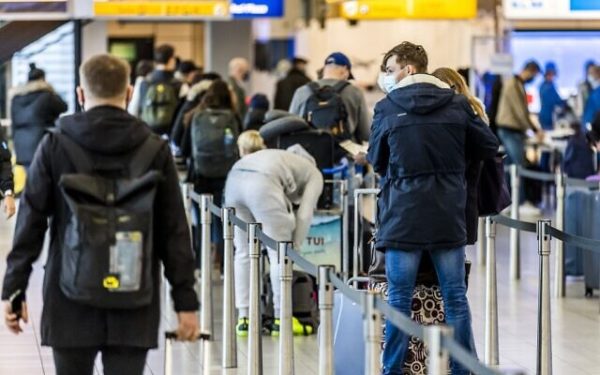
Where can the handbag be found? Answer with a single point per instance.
(493, 194)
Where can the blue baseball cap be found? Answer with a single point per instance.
(550, 67)
(338, 58)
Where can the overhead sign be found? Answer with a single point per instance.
(256, 8)
(32, 6)
(161, 8)
(414, 9)
(552, 9)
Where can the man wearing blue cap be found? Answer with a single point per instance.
(549, 97)
(336, 73)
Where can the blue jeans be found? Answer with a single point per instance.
(514, 144)
(401, 268)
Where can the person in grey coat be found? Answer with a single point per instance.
(264, 186)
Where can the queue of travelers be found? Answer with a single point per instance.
(428, 138)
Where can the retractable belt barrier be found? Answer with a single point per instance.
(439, 339)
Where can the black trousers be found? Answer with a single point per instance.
(115, 360)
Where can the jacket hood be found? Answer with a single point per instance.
(105, 130)
(421, 94)
(30, 87)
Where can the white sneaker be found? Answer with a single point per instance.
(528, 209)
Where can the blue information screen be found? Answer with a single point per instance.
(583, 5)
(256, 8)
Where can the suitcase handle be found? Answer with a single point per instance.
(172, 335)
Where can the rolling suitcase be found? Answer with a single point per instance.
(591, 260)
(170, 337)
(577, 219)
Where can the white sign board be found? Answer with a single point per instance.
(552, 9)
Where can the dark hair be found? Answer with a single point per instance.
(186, 67)
(408, 53)
(218, 96)
(211, 76)
(35, 73)
(532, 66)
(164, 53)
(143, 68)
(298, 61)
(105, 76)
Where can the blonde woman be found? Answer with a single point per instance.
(473, 171)
(458, 84)
(263, 187)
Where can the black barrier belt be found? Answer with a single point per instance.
(515, 224)
(467, 359)
(586, 243)
(307, 266)
(404, 323)
(582, 183)
(215, 210)
(266, 240)
(352, 294)
(239, 223)
(535, 175)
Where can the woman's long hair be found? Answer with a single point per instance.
(458, 84)
(218, 96)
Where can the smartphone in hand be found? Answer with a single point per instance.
(16, 302)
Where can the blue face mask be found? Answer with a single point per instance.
(386, 82)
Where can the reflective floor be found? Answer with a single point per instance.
(575, 324)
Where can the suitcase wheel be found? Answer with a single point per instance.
(589, 292)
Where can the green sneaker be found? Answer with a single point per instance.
(242, 327)
(300, 329)
(275, 328)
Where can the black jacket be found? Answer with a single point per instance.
(6, 176)
(104, 132)
(287, 87)
(420, 144)
(35, 107)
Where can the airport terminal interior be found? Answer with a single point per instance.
(300, 187)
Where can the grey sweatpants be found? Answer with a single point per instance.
(257, 198)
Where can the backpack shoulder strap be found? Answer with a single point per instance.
(314, 87)
(76, 154)
(340, 86)
(144, 155)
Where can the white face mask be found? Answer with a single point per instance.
(386, 82)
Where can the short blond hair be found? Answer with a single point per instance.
(250, 141)
(105, 76)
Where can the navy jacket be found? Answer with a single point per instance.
(420, 144)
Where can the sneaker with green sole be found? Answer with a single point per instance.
(275, 328)
(301, 329)
(242, 327)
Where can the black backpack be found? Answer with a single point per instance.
(214, 148)
(107, 245)
(159, 105)
(325, 109)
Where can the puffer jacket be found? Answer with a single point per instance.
(35, 107)
(424, 135)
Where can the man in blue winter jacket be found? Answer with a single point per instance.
(423, 133)
(549, 97)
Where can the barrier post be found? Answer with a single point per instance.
(206, 312)
(255, 366)
(345, 231)
(491, 296)
(481, 242)
(544, 336)
(356, 237)
(326, 317)
(286, 334)
(229, 340)
(372, 331)
(559, 265)
(438, 356)
(515, 251)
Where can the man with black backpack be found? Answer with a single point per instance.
(109, 190)
(160, 94)
(333, 104)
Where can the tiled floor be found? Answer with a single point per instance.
(575, 324)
